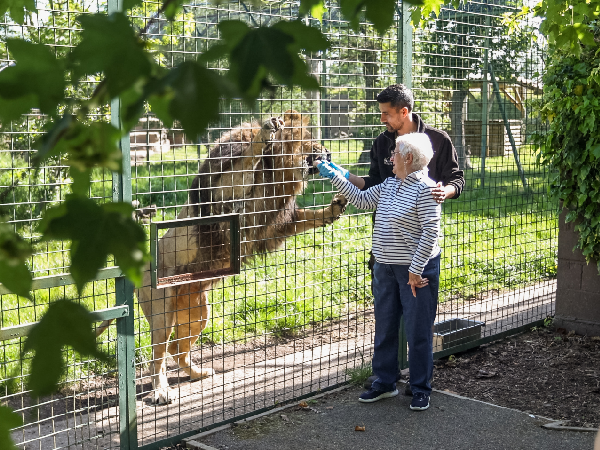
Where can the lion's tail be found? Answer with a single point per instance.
(103, 326)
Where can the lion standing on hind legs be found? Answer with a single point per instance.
(254, 171)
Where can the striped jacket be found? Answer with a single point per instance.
(407, 224)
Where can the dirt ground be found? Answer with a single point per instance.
(551, 373)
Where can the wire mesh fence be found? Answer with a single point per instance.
(299, 316)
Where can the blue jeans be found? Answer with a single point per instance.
(394, 298)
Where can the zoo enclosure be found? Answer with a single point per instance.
(296, 320)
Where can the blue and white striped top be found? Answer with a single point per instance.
(407, 223)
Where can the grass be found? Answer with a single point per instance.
(494, 237)
(358, 374)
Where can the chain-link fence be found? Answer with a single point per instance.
(298, 317)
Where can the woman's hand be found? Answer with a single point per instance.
(326, 169)
(343, 172)
(416, 281)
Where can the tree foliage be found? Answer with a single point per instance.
(572, 144)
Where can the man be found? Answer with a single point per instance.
(396, 103)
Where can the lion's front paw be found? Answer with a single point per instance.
(337, 208)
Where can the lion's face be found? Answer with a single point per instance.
(295, 145)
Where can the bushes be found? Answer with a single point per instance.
(571, 147)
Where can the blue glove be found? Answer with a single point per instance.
(326, 170)
(344, 172)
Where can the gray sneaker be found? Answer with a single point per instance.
(372, 395)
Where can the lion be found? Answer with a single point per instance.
(255, 171)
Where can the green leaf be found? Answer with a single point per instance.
(35, 81)
(130, 4)
(95, 231)
(318, 10)
(14, 252)
(84, 146)
(571, 216)
(159, 105)
(195, 97)
(110, 45)
(381, 14)
(64, 324)
(17, 9)
(171, 8)
(305, 37)
(256, 55)
(307, 6)
(8, 421)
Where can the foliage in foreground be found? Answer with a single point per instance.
(572, 144)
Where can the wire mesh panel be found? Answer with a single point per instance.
(478, 81)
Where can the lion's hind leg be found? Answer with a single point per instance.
(161, 325)
(191, 318)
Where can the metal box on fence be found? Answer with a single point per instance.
(452, 332)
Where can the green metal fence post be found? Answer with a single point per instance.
(484, 101)
(121, 185)
(508, 132)
(404, 76)
(405, 41)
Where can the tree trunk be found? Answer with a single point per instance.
(458, 102)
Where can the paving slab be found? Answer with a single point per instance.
(451, 423)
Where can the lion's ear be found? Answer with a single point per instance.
(293, 118)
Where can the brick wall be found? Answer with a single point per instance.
(578, 286)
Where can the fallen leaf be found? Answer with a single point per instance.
(359, 428)
(285, 418)
(329, 407)
(596, 338)
(303, 404)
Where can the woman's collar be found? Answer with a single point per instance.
(417, 174)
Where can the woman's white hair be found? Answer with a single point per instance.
(419, 145)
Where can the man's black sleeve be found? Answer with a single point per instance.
(447, 168)
(374, 177)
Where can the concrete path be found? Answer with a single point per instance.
(451, 423)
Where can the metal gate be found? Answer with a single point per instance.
(297, 319)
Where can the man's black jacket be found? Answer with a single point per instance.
(442, 167)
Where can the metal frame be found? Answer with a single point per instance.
(19, 331)
(176, 280)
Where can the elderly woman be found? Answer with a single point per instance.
(407, 269)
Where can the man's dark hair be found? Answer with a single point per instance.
(398, 96)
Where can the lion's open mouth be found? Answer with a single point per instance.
(324, 154)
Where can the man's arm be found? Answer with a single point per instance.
(448, 171)
(441, 192)
(374, 178)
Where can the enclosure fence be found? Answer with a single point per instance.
(296, 316)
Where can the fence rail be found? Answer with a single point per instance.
(299, 316)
